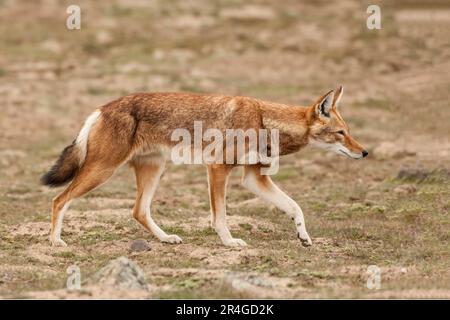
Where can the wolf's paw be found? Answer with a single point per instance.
(305, 239)
(173, 238)
(58, 243)
(233, 242)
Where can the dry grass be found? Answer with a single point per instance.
(396, 82)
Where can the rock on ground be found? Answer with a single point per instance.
(405, 189)
(140, 245)
(248, 283)
(120, 273)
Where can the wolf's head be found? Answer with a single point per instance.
(328, 130)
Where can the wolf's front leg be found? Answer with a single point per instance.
(263, 186)
(217, 182)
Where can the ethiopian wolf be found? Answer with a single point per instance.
(137, 129)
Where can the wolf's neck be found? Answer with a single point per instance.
(291, 122)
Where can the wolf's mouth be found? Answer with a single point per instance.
(347, 154)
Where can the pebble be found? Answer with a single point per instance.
(405, 189)
(140, 245)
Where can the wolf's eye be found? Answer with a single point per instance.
(341, 132)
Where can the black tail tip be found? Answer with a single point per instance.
(51, 179)
(63, 170)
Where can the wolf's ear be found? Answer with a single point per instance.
(324, 104)
(338, 96)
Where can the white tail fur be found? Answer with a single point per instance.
(82, 138)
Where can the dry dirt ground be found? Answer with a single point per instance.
(389, 210)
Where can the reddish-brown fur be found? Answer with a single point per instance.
(133, 128)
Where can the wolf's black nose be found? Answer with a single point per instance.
(364, 153)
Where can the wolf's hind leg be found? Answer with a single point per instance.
(89, 177)
(263, 186)
(148, 172)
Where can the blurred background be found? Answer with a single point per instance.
(390, 210)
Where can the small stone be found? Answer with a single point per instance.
(120, 273)
(247, 282)
(378, 209)
(405, 189)
(403, 270)
(140, 245)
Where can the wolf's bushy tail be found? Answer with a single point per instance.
(64, 169)
(72, 157)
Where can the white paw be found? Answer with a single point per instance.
(173, 238)
(233, 242)
(58, 243)
(305, 239)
